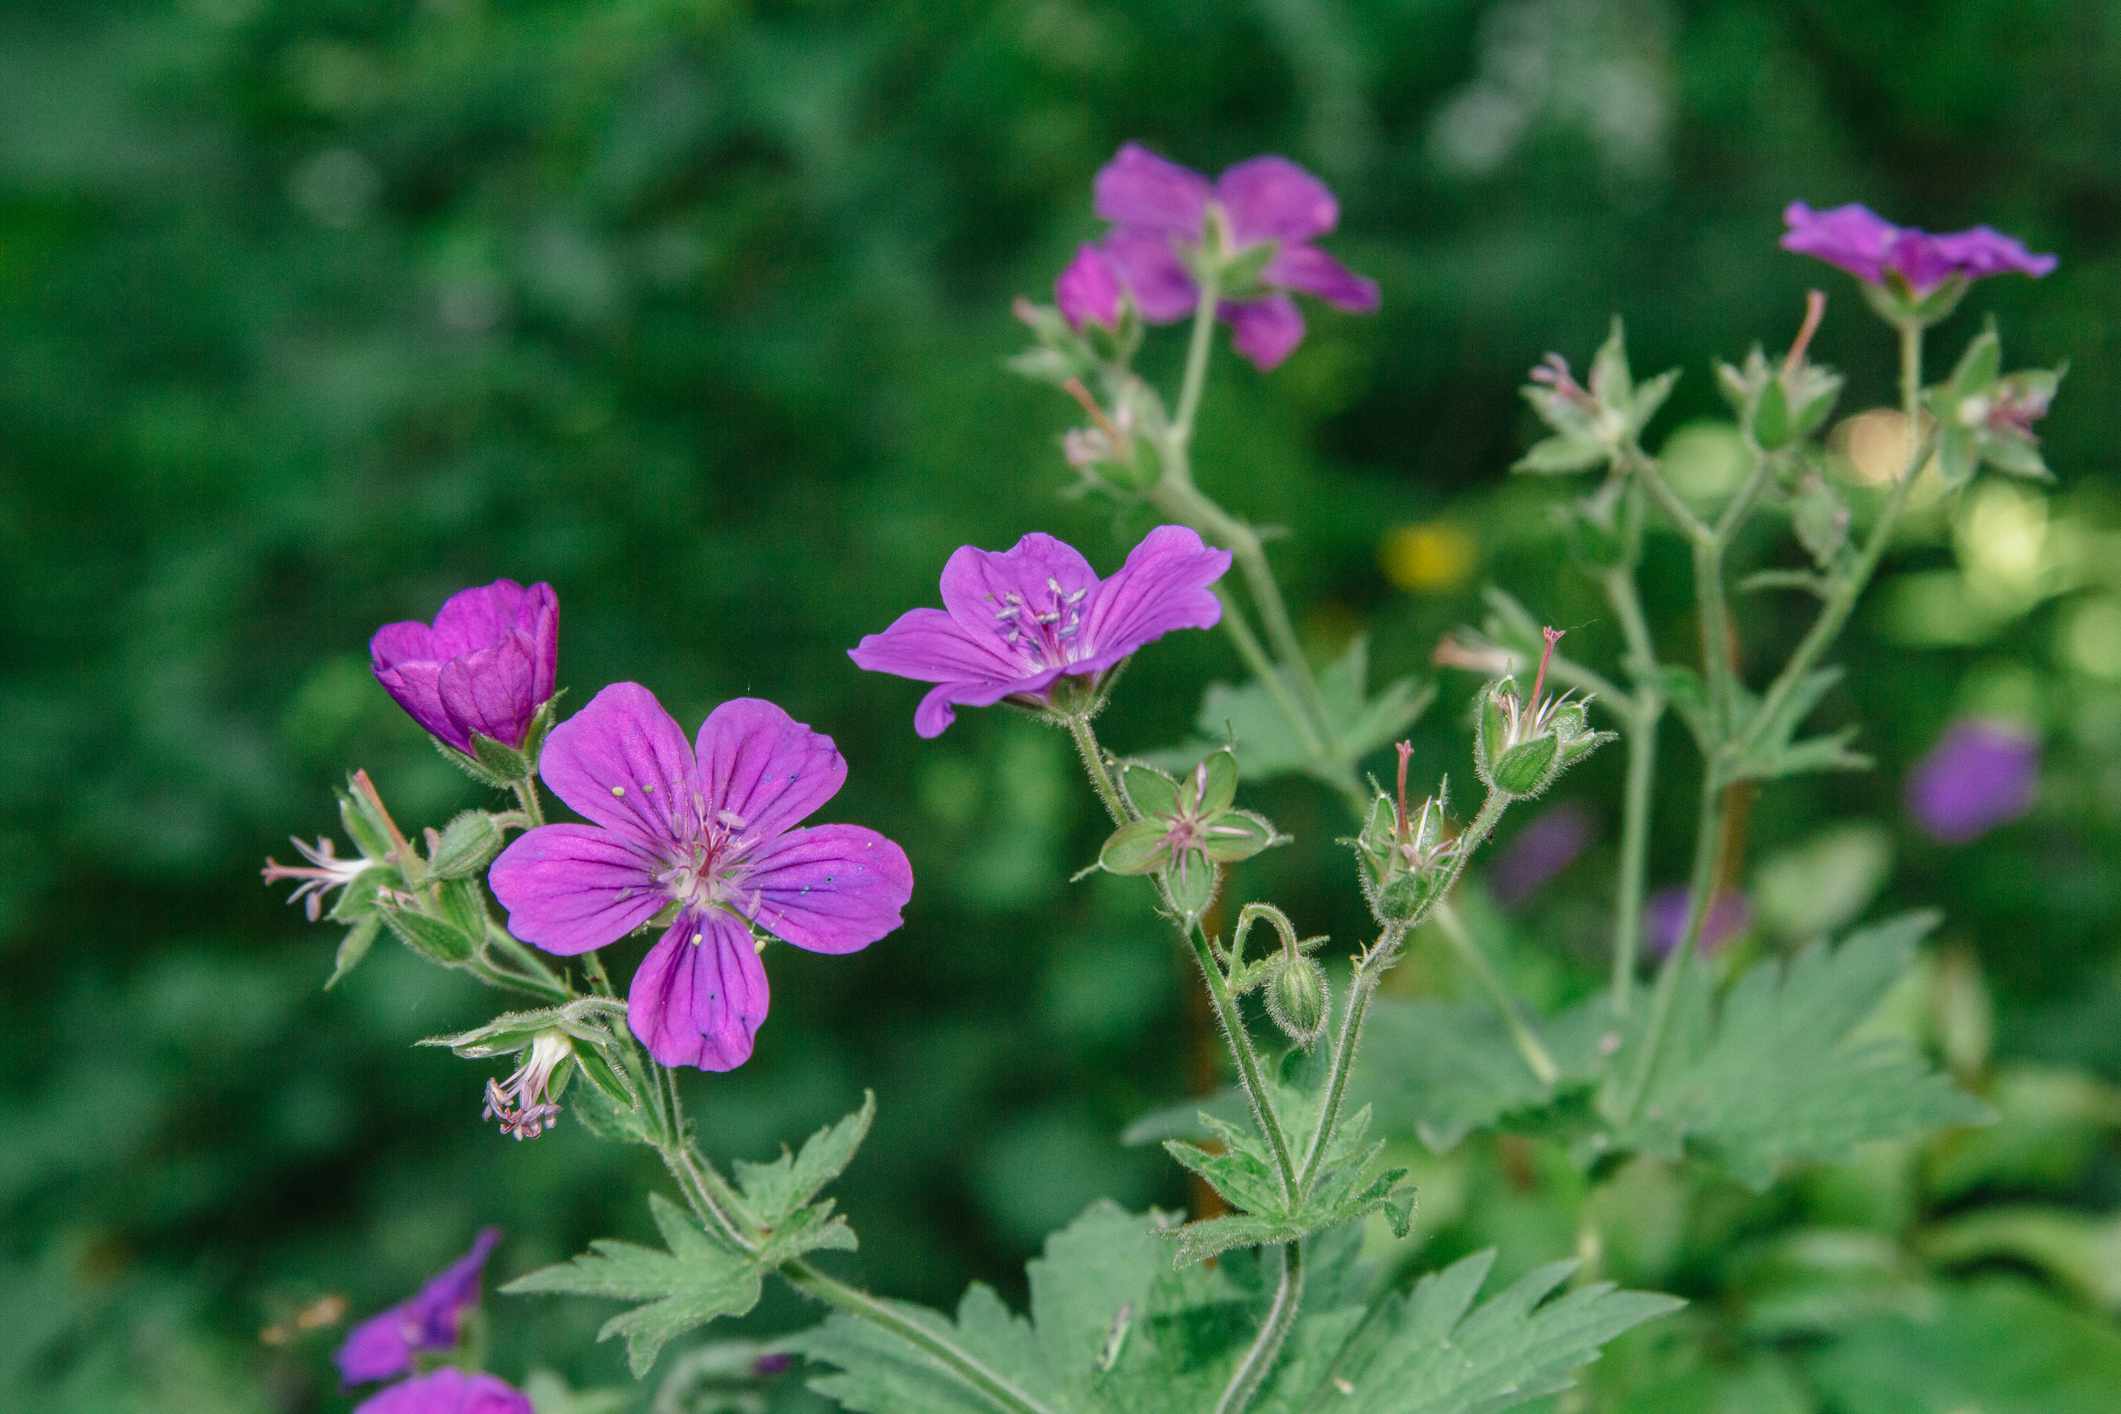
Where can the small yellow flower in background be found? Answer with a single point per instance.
(1429, 556)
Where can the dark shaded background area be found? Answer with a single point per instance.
(313, 312)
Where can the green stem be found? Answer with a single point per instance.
(1199, 347)
(533, 808)
(1249, 1070)
(1634, 849)
(1708, 840)
(1093, 755)
(1258, 1363)
(1841, 598)
(1534, 1054)
(1369, 971)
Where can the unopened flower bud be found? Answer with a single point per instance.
(1296, 999)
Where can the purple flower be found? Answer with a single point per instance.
(1540, 851)
(1016, 621)
(709, 827)
(1159, 211)
(1664, 920)
(1868, 246)
(449, 1391)
(1980, 775)
(486, 666)
(1088, 291)
(382, 1347)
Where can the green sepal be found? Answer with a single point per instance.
(1562, 454)
(465, 847)
(1978, 366)
(1241, 272)
(1214, 783)
(1410, 895)
(2016, 456)
(504, 763)
(364, 826)
(1192, 879)
(357, 900)
(1527, 768)
(432, 938)
(1136, 847)
(1149, 791)
(1239, 834)
(352, 948)
(1771, 426)
(1610, 382)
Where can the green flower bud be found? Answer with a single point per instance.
(1296, 999)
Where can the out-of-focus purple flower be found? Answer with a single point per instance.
(486, 665)
(1868, 246)
(1159, 213)
(1088, 291)
(1980, 775)
(708, 826)
(1540, 851)
(382, 1347)
(449, 1391)
(1664, 920)
(772, 1363)
(1015, 621)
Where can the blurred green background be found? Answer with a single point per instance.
(312, 312)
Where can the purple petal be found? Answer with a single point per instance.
(572, 888)
(764, 767)
(493, 691)
(383, 1346)
(1310, 271)
(1149, 267)
(449, 1391)
(1983, 251)
(1138, 188)
(935, 713)
(623, 762)
(1851, 237)
(416, 685)
(1088, 291)
(1979, 776)
(1163, 586)
(1264, 331)
(699, 996)
(928, 645)
(472, 619)
(1273, 199)
(830, 888)
(978, 585)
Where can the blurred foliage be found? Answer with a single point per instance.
(313, 311)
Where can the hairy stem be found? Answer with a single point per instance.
(1362, 985)
(1252, 1371)
(1250, 1073)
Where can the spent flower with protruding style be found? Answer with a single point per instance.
(1016, 622)
(1522, 743)
(483, 668)
(1982, 774)
(526, 1104)
(316, 880)
(709, 829)
(1987, 417)
(1409, 853)
(432, 1319)
(449, 1391)
(1251, 230)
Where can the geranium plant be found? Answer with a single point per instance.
(1265, 1302)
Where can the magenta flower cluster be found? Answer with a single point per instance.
(1858, 240)
(1160, 213)
(1015, 622)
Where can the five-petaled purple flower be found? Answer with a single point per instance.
(1981, 775)
(382, 1347)
(708, 828)
(1868, 246)
(1016, 621)
(1159, 213)
(486, 666)
(449, 1391)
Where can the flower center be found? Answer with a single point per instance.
(1046, 631)
(710, 863)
